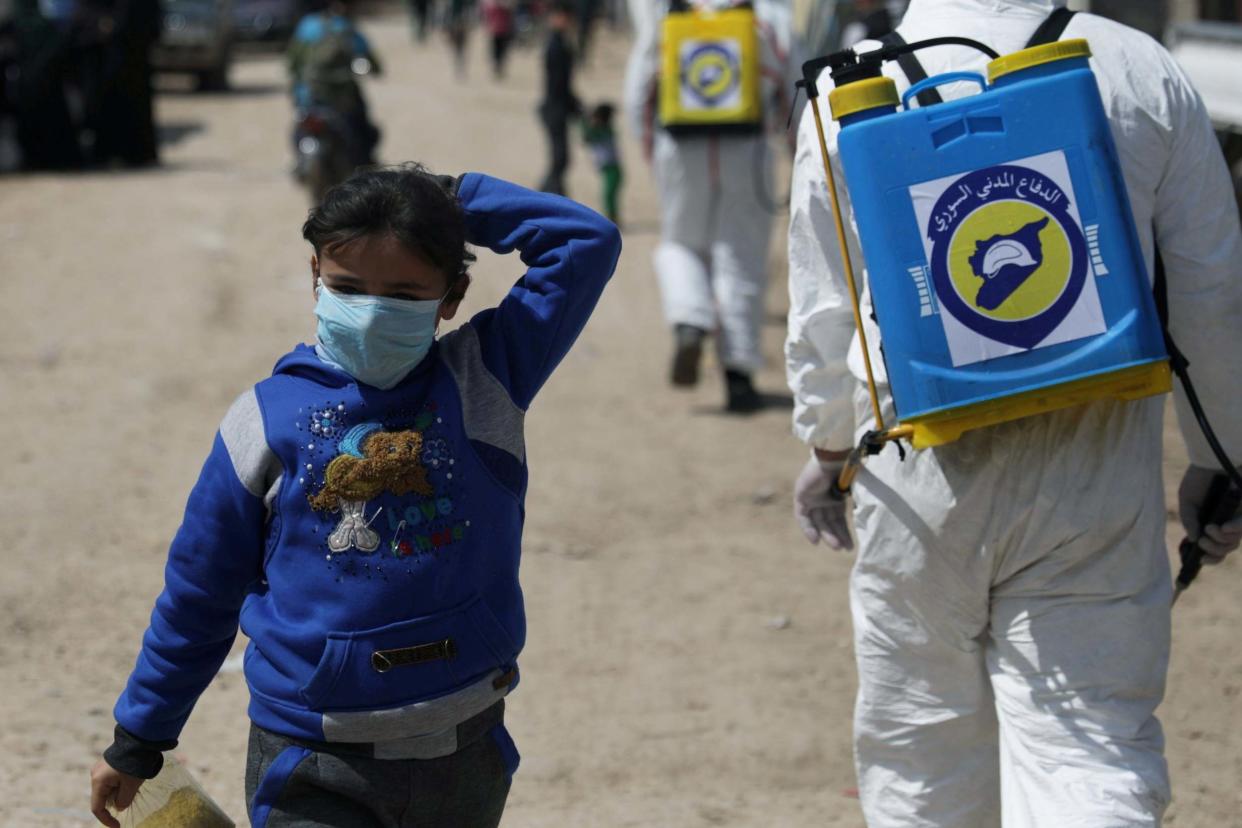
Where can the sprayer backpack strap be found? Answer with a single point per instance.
(1049, 31)
(1052, 28)
(1160, 291)
(913, 70)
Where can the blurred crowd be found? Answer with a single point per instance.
(508, 22)
(77, 76)
(77, 81)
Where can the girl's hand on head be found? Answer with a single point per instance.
(109, 784)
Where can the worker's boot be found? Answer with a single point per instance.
(687, 351)
(741, 396)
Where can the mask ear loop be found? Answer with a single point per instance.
(461, 275)
(447, 292)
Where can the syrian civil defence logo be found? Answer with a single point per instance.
(711, 71)
(1008, 259)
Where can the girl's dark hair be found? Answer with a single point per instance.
(418, 209)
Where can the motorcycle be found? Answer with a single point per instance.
(323, 156)
(329, 145)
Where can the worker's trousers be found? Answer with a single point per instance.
(716, 221)
(1011, 610)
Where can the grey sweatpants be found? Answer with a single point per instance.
(296, 784)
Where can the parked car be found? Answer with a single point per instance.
(270, 21)
(197, 40)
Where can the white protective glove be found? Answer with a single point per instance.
(1216, 540)
(819, 510)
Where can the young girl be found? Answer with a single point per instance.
(361, 514)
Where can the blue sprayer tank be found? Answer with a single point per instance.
(1004, 265)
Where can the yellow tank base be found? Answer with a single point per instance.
(1131, 383)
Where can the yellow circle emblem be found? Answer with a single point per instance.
(710, 74)
(1009, 260)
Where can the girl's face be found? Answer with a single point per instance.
(382, 266)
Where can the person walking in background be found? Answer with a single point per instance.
(457, 29)
(559, 102)
(498, 19)
(122, 114)
(46, 135)
(420, 11)
(1011, 591)
(585, 12)
(601, 139)
(712, 173)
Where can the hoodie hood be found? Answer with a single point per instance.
(304, 363)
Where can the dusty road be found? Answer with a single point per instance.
(689, 660)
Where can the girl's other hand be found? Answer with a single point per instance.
(109, 784)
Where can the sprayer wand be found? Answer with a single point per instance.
(848, 66)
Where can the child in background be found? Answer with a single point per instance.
(598, 133)
(361, 514)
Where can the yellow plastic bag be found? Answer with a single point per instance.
(173, 799)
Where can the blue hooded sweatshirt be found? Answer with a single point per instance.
(366, 540)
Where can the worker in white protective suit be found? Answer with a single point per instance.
(716, 206)
(1011, 591)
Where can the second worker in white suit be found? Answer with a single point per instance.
(715, 201)
(1011, 592)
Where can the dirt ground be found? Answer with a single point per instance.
(689, 660)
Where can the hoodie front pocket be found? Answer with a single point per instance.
(408, 661)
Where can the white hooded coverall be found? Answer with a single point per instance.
(716, 198)
(1011, 592)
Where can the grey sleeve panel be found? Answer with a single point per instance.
(257, 466)
(490, 415)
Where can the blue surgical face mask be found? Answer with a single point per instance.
(375, 340)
